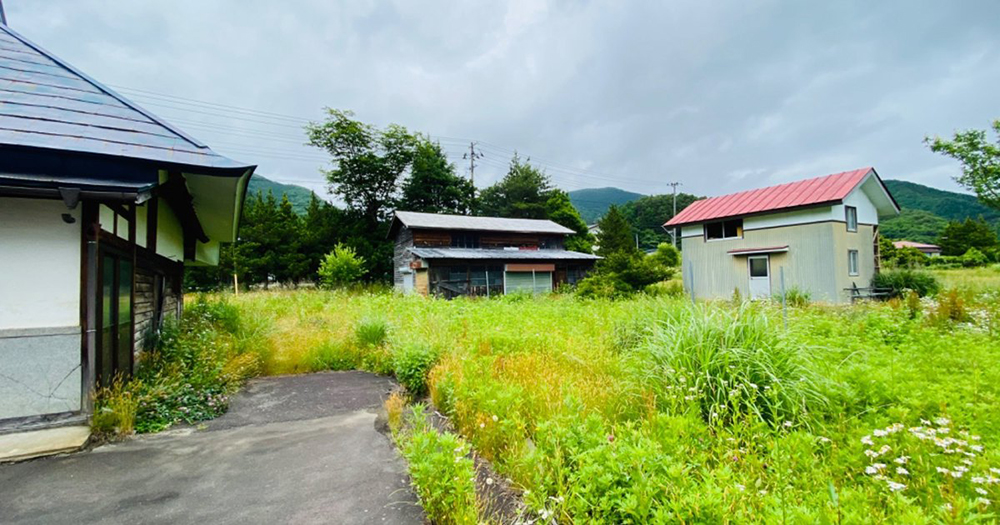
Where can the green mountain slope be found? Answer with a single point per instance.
(946, 204)
(593, 202)
(926, 211)
(297, 195)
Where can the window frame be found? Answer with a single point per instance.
(850, 211)
(722, 224)
(853, 259)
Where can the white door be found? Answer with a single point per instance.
(759, 267)
(408, 281)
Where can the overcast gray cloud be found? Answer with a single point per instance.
(721, 96)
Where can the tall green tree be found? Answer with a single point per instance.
(433, 186)
(958, 237)
(980, 160)
(648, 214)
(615, 235)
(368, 162)
(523, 193)
(560, 210)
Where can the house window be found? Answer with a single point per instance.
(852, 262)
(731, 229)
(851, 215)
(464, 240)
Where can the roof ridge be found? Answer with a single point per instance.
(106, 90)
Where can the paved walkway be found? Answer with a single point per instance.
(293, 449)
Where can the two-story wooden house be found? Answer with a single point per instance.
(821, 234)
(452, 255)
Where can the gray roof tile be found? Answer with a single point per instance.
(440, 221)
(495, 254)
(46, 103)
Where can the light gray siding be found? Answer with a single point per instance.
(816, 261)
(401, 256)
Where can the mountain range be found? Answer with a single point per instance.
(925, 210)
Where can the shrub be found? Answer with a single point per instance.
(412, 364)
(115, 409)
(371, 333)
(796, 296)
(733, 365)
(667, 255)
(951, 307)
(341, 267)
(333, 355)
(394, 406)
(898, 281)
(973, 258)
(623, 273)
(442, 475)
(673, 288)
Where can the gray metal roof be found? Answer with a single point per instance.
(47, 103)
(414, 219)
(497, 254)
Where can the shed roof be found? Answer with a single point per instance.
(501, 255)
(917, 245)
(440, 221)
(810, 192)
(47, 103)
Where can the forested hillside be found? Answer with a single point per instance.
(297, 195)
(593, 202)
(926, 211)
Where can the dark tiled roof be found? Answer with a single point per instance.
(464, 222)
(47, 103)
(497, 254)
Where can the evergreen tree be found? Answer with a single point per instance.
(561, 211)
(615, 235)
(958, 237)
(523, 193)
(433, 186)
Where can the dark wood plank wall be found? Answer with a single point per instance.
(437, 238)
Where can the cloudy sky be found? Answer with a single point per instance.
(720, 96)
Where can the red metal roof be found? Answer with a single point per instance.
(829, 188)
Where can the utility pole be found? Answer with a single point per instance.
(472, 155)
(673, 236)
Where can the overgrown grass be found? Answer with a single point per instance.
(654, 410)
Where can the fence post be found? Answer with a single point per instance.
(784, 307)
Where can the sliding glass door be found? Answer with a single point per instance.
(115, 331)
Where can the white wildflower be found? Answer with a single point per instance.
(902, 471)
(956, 474)
(871, 453)
(482, 425)
(895, 487)
(925, 422)
(902, 460)
(788, 424)
(871, 470)
(982, 501)
(967, 462)
(942, 421)
(942, 470)
(824, 439)
(884, 450)
(495, 418)
(982, 491)
(947, 507)
(880, 433)
(995, 470)
(977, 448)
(978, 480)
(762, 492)
(489, 481)
(740, 487)
(867, 440)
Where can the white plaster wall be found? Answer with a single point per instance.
(789, 218)
(39, 264)
(169, 235)
(867, 214)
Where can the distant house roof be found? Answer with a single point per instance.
(918, 245)
(810, 192)
(498, 254)
(438, 221)
(49, 104)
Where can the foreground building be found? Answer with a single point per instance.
(821, 233)
(452, 255)
(101, 206)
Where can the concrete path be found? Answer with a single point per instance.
(293, 449)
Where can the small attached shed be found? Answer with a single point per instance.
(102, 205)
(820, 233)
